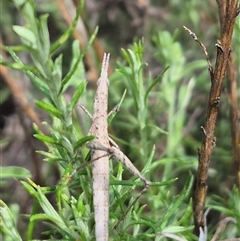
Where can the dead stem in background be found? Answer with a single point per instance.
(228, 12)
(234, 115)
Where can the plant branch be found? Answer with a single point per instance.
(227, 13)
(234, 117)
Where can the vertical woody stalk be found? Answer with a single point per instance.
(234, 115)
(228, 12)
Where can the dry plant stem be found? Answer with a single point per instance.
(228, 13)
(230, 239)
(19, 99)
(234, 117)
(68, 10)
(210, 68)
(221, 227)
(24, 109)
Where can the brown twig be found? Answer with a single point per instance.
(210, 68)
(227, 12)
(24, 109)
(68, 10)
(234, 117)
(221, 227)
(20, 99)
(230, 239)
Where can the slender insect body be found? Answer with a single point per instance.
(101, 150)
(100, 170)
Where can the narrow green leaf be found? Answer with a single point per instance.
(17, 66)
(125, 54)
(56, 82)
(79, 73)
(49, 108)
(194, 65)
(133, 75)
(48, 154)
(111, 117)
(149, 161)
(82, 141)
(27, 10)
(69, 31)
(187, 214)
(221, 209)
(8, 224)
(71, 72)
(26, 35)
(18, 3)
(44, 35)
(159, 77)
(54, 159)
(156, 128)
(134, 61)
(77, 94)
(65, 142)
(29, 188)
(37, 217)
(69, 75)
(39, 84)
(176, 229)
(139, 48)
(14, 172)
(16, 48)
(47, 139)
(164, 222)
(36, 81)
(141, 184)
(51, 213)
